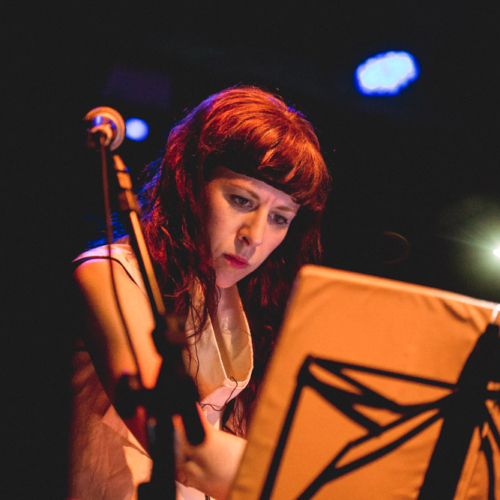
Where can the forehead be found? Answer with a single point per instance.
(255, 187)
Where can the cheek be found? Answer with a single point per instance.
(274, 243)
(211, 214)
(213, 229)
(218, 223)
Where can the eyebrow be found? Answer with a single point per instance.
(283, 208)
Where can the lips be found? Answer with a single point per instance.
(235, 261)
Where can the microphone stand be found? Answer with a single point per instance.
(175, 391)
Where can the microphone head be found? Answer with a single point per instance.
(108, 121)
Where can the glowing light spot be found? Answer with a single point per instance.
(496, 252)
(386, 73)
(136, 129)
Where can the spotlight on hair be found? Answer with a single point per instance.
(136, 129)
(386, 73)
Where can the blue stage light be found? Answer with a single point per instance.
(386, 73)
(136, 129)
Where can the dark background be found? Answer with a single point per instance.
(422, 164)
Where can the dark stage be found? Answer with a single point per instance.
(415, 176)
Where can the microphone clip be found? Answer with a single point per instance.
(106, 128)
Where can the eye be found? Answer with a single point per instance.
(279, 219)
(240, 201)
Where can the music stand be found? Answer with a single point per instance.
(377, 389)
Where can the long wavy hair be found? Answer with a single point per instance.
(254, 133)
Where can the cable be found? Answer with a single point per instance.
(109, 241)
(223, 407)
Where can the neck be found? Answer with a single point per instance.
(227, 297)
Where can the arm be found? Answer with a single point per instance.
(105, 336)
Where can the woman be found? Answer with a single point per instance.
(232, 211)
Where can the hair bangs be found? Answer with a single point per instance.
(277, 146)
(298, 170)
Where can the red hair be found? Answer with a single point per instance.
(251, 132)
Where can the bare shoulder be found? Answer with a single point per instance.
(112, 318)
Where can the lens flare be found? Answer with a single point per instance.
(386, 73)
(137, 129)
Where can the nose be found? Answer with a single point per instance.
(252, 229)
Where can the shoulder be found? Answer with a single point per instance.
(118, 316)
(93, 263)
(111, 280)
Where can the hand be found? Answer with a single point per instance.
(211, 466)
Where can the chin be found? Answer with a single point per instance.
(228, 281)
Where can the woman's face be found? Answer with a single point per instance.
(246, 220)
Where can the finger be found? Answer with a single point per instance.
(179, 426)
(181, 444)
(203, 417)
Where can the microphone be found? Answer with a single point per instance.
(105, 127)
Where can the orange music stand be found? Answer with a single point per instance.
(377, 390)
